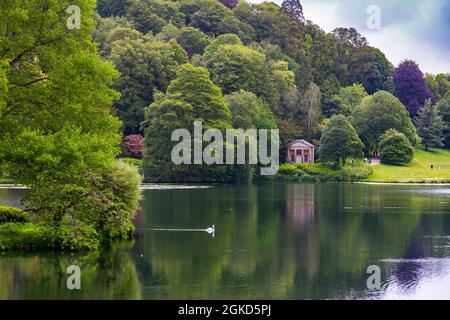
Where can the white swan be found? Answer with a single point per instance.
(211, 230)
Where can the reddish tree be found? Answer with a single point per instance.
(410, 87)
(132, 146)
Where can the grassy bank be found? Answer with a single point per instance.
(419, 170)
(324, 173)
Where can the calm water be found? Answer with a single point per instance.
(272, 241)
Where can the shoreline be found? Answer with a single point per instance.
(187, 186)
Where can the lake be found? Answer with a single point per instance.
(272, 241)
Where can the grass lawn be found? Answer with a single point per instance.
(419, 170)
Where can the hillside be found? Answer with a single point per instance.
(419, 170)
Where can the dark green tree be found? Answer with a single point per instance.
(348, 99)
(145, 66)
(430, 126)
(378, 113)
(190, 96)
(395, 148)
(339, 141)
(444, 110)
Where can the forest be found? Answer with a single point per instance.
(262, 66)
(80, 107)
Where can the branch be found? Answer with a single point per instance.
(30, 82)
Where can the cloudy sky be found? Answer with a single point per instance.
(413, 29)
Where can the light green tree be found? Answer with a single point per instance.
(58, 134)
(349, 98)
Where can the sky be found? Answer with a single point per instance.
(408, 29)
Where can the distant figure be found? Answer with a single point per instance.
(432, 167)
(439, 168)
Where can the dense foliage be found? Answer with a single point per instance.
(58, 133)
(379, 113)
(257, 54)
(430, 126)
(395, 148)
(339, 141)
(411, 87)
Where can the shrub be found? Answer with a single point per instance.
(24, 236)
(28, 236)
(132, 146)
(10, 214)
(113, 201)
(107, 201)
(395, 148)
(322, 172)
(79, 237)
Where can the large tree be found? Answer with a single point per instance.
(378, 113)
(348, 41)
(430, 126)
(410, 86)
(57, 131)
(190, 96)
(348, 99)
(235, 66)
(370, 67)
(145, 66)
(339, 141)
(249, 111)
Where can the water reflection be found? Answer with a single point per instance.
(272, 241)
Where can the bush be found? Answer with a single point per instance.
(323, 172)
(10, 214)
(395, 148)
(113, 201)
(79, 237)
(29, 236)
(24, 236)
(107, 201)
(132, 146)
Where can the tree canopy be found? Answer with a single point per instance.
(378, 113)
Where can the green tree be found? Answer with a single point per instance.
(430, 126)
(439, 84)
(339, 141)
(395, 148)
(57, 131)
(444, 110)
(249, 111)
(310, 109)
(370, 67)
(193, 40)
(145, 66)
(235, 66)
(378, 113)
(152, 15)
(209, 16)
(190, 96)
(348, 99)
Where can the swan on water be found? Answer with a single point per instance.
(211, 230)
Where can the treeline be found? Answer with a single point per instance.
(273, 68)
